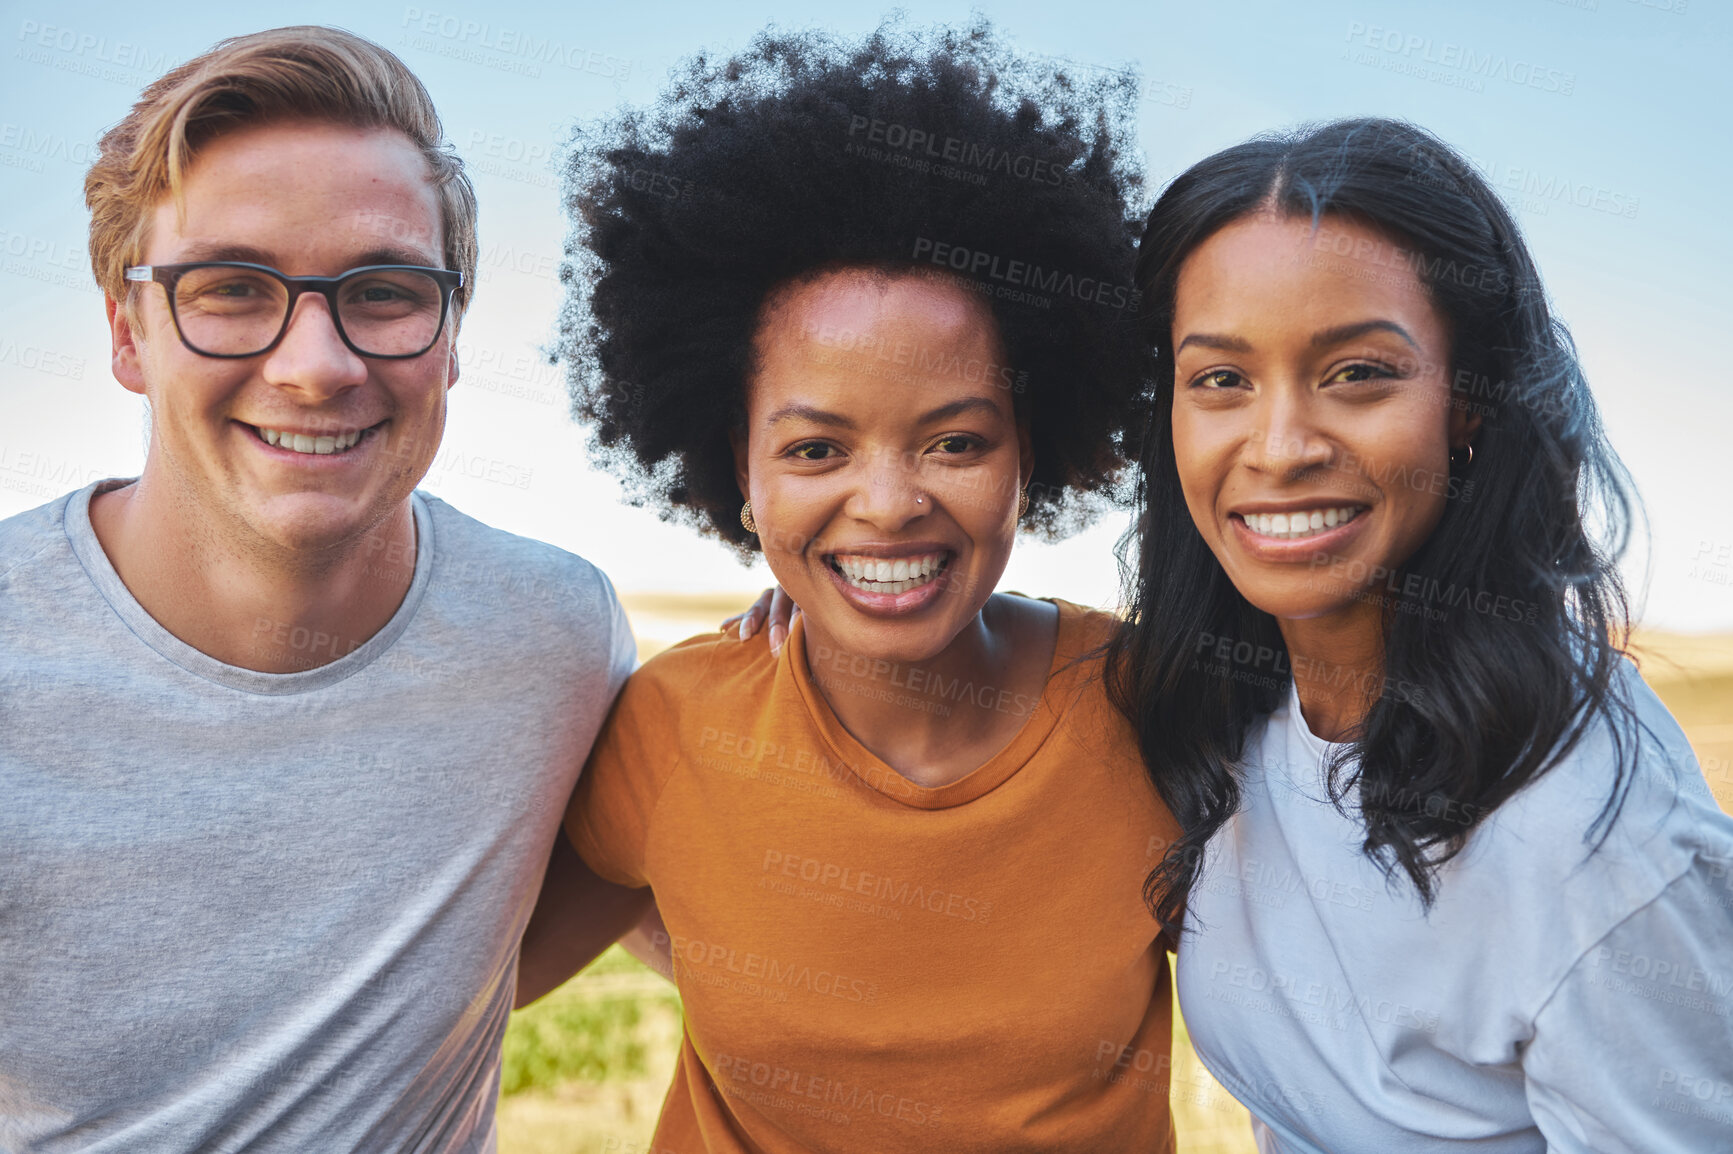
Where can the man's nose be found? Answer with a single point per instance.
(312, 358)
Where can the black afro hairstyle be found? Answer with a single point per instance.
(937, 150)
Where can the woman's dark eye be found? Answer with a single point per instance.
(1360, 372)
(811, 451)
(1220, 379)
(953, 445)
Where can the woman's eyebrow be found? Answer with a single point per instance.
(957, 407)
(1225, 344)
(1342, 333)
(838, 420)
(809, 413)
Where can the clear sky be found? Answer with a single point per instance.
(1608, 124)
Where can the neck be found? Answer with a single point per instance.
(251, 603)
(936, 719)
(1338, 664)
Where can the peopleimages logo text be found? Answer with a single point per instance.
(1419, 49)
(516, 42)
(1024, 274)
(953, 150)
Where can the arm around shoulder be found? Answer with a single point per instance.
(578, 915)
(595, 889)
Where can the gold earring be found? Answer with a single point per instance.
(1022, 504)
(746, 521)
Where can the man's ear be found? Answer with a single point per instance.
(125, 355)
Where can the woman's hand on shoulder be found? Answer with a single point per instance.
(774, 609)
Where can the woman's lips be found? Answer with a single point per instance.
(889, 586)
(1293, 535)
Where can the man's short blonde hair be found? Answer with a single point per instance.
(299, 73)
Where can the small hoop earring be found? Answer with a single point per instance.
(1462, 457)
(746, 521)
(1022, 503)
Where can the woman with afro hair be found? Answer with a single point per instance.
(866, 308)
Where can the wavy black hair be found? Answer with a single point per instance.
(1502, 699)
(803, 154)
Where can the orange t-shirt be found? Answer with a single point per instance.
(872, 965)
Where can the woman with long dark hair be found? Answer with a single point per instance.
(1450, 876)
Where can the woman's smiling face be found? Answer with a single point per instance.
(1312, 422)
(882, 457)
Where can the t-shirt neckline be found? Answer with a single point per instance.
(81, 535)
(877, 775)
(1300, 727)
(1300, 734)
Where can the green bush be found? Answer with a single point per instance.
(586, 1030)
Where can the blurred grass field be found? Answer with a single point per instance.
(586, 1068)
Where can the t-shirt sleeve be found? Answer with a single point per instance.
(1634, 1051)
(623, 652)
(608, 820)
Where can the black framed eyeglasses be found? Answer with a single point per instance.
(230, 308)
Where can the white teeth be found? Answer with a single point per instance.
(1298, 526)
(303, 443)
(881, 576)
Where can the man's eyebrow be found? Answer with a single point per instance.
(226, 250)
(1335, 336)
(396, 256)
(809, 413)
(1225, 344)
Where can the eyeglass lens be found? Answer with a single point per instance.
(237, 312)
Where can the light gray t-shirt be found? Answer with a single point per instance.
(1551, 1002)
(279, 912)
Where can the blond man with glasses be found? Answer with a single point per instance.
(298, 737)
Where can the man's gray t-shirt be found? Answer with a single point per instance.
(279, 912)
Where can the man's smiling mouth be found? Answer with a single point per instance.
(313, 444)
